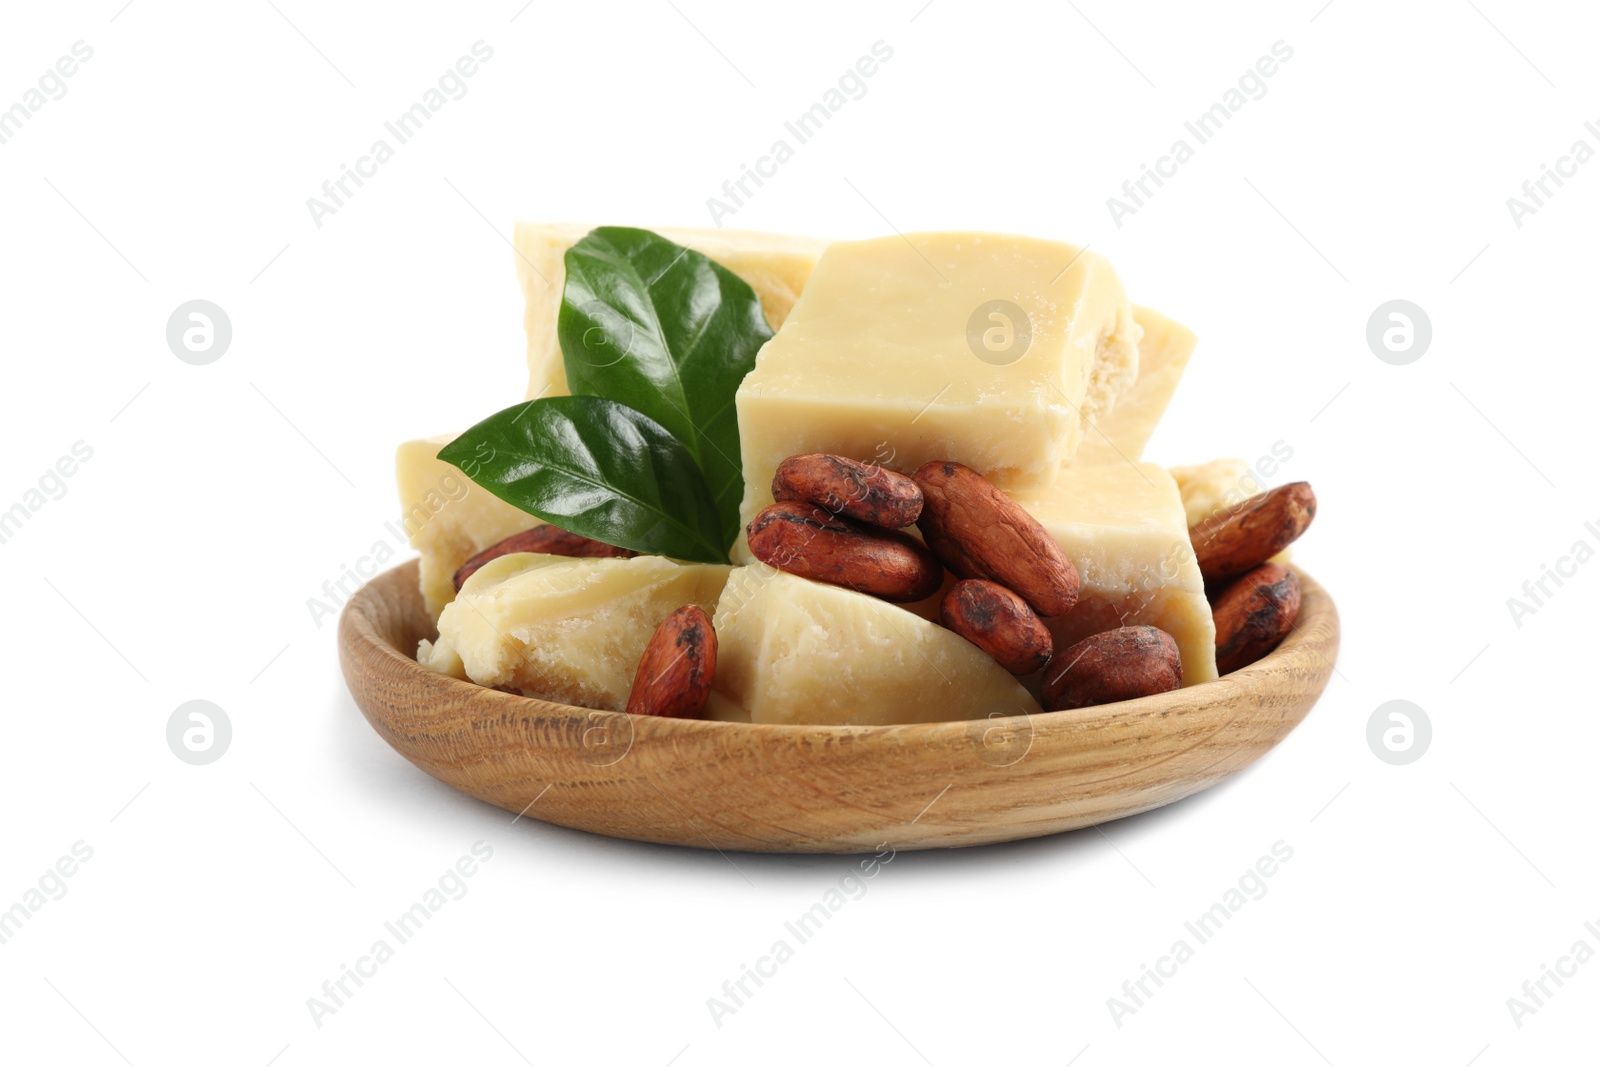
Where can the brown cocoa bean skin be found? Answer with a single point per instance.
(979, 532)
(1122, 664)
(806, 540)
(1254, 614)
(999, 622)
(675, 673)
(552, 540)
(858, 491)
(1252, 531)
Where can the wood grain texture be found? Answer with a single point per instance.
(841, 789)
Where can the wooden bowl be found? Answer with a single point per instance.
(842, 789)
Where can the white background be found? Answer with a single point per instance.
(219, 499)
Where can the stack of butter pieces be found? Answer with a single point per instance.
(1018, 357)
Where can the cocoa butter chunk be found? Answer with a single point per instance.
(791, 651)
(551, 540)
(1003, 351)
(1164, 351)
(1121, 664)
(567, 630)
(847, 487)
(1249, 533)
(675, 672)
(804, 539)
(980, 532)
(1254, 614)
(1123, 526)
(999, 622)
(447, 517)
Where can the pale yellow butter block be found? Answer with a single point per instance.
(774, 265)
(790, 650)
(903, 350)
(564, 629)
(1123, 527)
(1164, 351)
(1209, 487)
(447, 516)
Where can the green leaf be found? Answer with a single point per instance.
(597, 468)
(663, 329)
